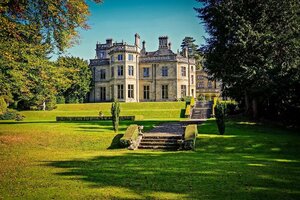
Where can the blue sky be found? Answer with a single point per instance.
(121, 19)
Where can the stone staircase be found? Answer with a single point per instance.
(160, 141)
(164, 136)
(202, 110)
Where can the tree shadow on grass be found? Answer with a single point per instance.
(191, 175)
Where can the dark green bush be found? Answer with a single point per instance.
(60, 100)
(130, 135)
(115, 113)
(220, 113)
(9, 114)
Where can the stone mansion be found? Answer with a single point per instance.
(130, 73)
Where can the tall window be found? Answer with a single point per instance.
(120, 70)
(164, 91)
(130, 70)
(146, 92)
(130, 91)
(192, 79)
(192, 68)
(183, 90)
(102, 74)
(200, 77)
(183, 71)
(120, 57)
(130, 57)
(146, 72)
(164, 71)
(102, 93)
(120, 91)
(112, 71)
(209, 84)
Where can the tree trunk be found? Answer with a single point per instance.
(247, 105)
(254, 108)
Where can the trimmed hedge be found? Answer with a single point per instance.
(190, 135)
(187, 111)
(130, 135)
(192, 103)
(93, 118)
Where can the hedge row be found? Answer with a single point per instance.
(130, 135)
(93, 118)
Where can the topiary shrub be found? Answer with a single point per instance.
(192, 103)
(220, 113)
(190, 135)
(115, 113)
(130, 135)
(187, 111)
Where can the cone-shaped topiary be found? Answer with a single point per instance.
(115, 113)
(220, 112)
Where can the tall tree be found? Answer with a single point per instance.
(189, 42)
(254, 46)
(29, 31)
(78, 73)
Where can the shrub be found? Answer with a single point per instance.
(60, 100)
(19, 117)
(187, 111)
(190, 135)
(130, 135)
(192, 103)
(9, 114)
(115, 113)
(220, 113)
(3, 105)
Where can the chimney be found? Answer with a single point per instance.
(137, 40)
(109, 42)
(163, 42)
(185, 52)
(170, 45)
(144, 43)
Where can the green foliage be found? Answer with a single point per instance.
(192, 102)
(187, 111)
(220, 113)
(190, 132)
(9, 115)
(78, 76)
(189, 42)
(254, 50)
(115, 113)
(130, 135)
(3, 105)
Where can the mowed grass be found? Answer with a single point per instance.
(143, 110)
(82, 160)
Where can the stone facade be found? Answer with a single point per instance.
(131, 74)
(206, 88)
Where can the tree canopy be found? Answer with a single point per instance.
(253, 47)
(29, 31)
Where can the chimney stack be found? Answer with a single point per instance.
(170, 45)
(144, 45)
(163, 42)
(185, 52)
(137, 40)
(109, 42)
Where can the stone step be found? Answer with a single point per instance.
(143, 143)
(159, 140)
(160, 137)
(165, 147)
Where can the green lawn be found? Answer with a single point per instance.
(143, 110)
(80, 160)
